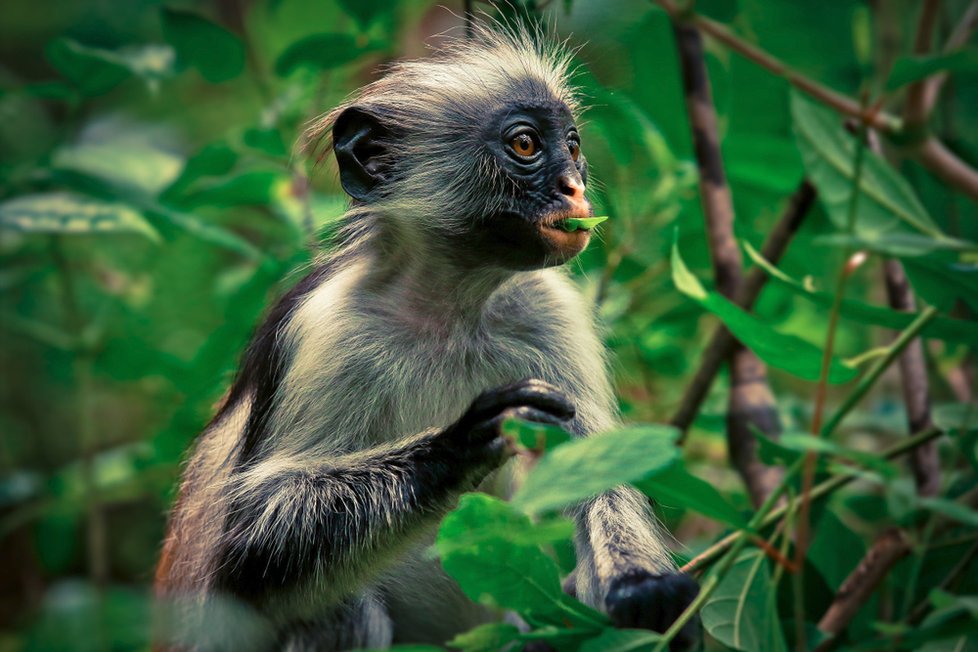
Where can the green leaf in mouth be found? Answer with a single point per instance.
(572, 224)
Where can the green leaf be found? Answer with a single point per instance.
(266, 140)
(365, 12)
(952, 510)
(741, 614)
(256, 187)
(942, 328)
(804, 442)
(785, 352)
(621, 640)
(92, 70)
(910, 69)
(213, 159)
(585, 467)
(485, 638)
(66, 213)
(494, 570)
(956, 416)
(898, 245)
(535, 436)
(677, 487)
(886, 201)
(215, 52)
(324, 52)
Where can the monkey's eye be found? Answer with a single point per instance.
(523, 145)
(575, 149)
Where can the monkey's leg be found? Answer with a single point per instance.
(625, 569)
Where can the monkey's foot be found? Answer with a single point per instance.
(641, 600)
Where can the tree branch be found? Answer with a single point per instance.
(722, 342)
(916, 387)
(915, 111)
(711, 554)
(751, 403)
(857, 588)
(930, 152)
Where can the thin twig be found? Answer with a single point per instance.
(722, 342)
(892, 546)
(958, 38)
(915, 112)
(708, 556)
(916, 387)
(929, 152)
(871, 376)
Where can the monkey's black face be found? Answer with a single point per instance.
(537, 150)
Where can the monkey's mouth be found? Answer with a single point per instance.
(563, 242)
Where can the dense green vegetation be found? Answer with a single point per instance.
(152, 204)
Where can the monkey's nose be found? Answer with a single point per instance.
(572, 188)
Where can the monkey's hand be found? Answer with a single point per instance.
(639, 599)
(477, 434)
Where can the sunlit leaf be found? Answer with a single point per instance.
(215, 52)
(779, 350)
(65, 213)
(585, 467)
(535, 436)
(741, 614)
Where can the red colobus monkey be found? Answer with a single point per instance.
(372, 395)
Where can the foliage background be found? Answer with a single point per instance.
(152, 205)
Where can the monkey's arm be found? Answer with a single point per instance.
(331, 522)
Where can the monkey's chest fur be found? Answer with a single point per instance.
(363, 375)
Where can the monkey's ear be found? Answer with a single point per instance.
(361, 143)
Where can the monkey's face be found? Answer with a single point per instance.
(540, 177)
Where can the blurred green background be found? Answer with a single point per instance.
(153, 203)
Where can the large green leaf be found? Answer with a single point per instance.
(886, 201)
(777, 349)
(67, 213)
(324, 52)
(943, 328)
(485, 638)
(585, 467)
(621, 640)
(492, 569)
(677, 487)
(741, 613)
(215, 52)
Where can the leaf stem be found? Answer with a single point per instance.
(871, 376)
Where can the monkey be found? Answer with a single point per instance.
(372, 395)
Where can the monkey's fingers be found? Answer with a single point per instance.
(530, 393)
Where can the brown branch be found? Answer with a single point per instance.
(722, 342)
(916, 388)
(930, 152)
(959, 36)
(711, 554)
(915, 111)
(751, 404)
(857, 588)
(946, 165)
(839, 102)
